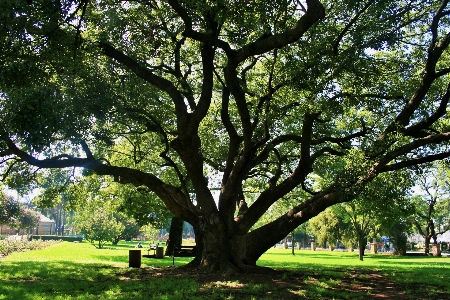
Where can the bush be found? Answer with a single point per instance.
(9, 246)
(77, 238)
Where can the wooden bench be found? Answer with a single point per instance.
(184, 251)
(152, 247)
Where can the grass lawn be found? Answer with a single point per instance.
(80, 271)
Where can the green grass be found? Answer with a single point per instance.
(80, 271)
(423, 273)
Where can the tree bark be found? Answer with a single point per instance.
(362, 242)
(427, 244)
(175, 235)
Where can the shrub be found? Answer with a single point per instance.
(9, 246)
(57, 238)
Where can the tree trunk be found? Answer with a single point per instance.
(361, 247)
(175, 235)
(427, 244)
(218, 251)
(116, 240)
(224, 245)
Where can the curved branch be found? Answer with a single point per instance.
(198, 36)
(173, 197)
(314, 13)
(436, 19)
(349, 25)
(416, 130)
(414, 162)
(384, 166)
(159, 82)
(340, 141)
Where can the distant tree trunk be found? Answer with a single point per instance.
(292, 242)
(362, 242)
(116, 240)
(427, 244)
(175, 234)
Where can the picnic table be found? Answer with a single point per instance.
(184, 251)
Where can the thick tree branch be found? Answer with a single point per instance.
(159, 82)
(384, 165)
(314, 13)
(435, 51)
(414, 162)
(173, 197)
(198, 36)
(417, 130)
(271, 195)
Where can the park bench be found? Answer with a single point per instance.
(152, 247)
(184, 251)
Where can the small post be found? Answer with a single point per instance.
(436, 249)
(173, 256)
(292, 242)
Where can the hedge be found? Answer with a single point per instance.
(57, 238)
(9, 246)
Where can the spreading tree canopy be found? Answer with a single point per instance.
(223, 108)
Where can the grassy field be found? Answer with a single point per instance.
(80, 271)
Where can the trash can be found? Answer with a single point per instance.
(159, 252)
(134, 258)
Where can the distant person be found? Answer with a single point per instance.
(139, 245)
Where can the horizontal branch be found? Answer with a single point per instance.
(145, 74)
(384, 164)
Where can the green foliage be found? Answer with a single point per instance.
(398, 233)
(98, 225)
(130, 229)
(27, 219)
(9, 209)
(327, 228)
(151, 232)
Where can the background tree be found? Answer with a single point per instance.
(27, 220)
(381, 205)
(151, 232)
(327, 227)
(54, 198)
(432, 204)
(223, 109)
(97, 223)
(9, 209)
(130, 230)
(398, 233)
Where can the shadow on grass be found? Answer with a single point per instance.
(66, 280)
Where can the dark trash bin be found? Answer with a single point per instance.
(134, 259)
(159, 252)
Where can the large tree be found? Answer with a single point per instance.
(223, 108)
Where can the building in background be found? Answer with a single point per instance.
(46, 226)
